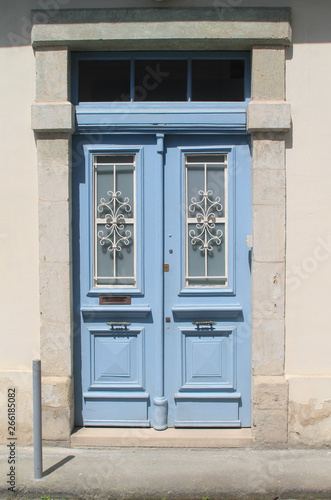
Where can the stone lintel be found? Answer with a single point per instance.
(268, 116)
(53, 117)
(182, 28)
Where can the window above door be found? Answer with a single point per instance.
(161, 77)
(161, 91)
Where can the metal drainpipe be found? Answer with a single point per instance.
(37, 422)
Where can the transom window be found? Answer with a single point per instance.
(162, 78)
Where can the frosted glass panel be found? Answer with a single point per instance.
(216, 256)
(114, 220)
(206, 220)
(105, 258)
(124, 185)
(105, 179)
(196, 262)
(124, 261)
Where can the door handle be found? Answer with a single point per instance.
(119, 325)
(204, 325)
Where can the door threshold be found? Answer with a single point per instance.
(101, 437)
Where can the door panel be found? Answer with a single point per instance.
(207, 367)
(143, 201)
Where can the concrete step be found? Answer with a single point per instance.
(99, 437)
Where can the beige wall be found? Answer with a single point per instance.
(308, 321)
(18, 223)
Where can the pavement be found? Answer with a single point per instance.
(169, 474)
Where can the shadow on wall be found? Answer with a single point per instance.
(310, 19)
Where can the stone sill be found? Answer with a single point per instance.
(92, 437)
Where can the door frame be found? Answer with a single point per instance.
(268, 120)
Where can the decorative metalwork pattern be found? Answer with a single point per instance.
(206, 211)
(117, 235)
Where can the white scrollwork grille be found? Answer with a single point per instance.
(206, 220)
(116, 235)
(205, 211)
(114, 220)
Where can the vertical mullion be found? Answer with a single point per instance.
(189, 79)
(206, 234)
(95, 216)
(186, 223)
(114, 232)
(132, 76)
(226, 190)
(134, 223)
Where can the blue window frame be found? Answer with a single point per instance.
(132, 86)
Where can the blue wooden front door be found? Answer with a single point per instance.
(162, 280)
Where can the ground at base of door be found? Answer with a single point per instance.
(169, 474)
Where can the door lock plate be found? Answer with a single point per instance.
(166, 268)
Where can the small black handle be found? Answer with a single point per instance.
(204, 325)
(119, 325)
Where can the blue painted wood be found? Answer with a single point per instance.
(228, 306)
(159, 373)
(107, 117)
(139, 378)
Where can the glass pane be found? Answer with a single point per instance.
(215, 185)
(103, 81)
(114, 159)
(105, 257)
(124, 186)
(125, 257)
(160, 80)
(216, 256)
(218, 80)
(205, 158)
(105, 183)
(196, 257)
(195, 182)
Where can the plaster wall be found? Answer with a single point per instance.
(308, 253)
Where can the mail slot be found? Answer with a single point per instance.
(114, 300)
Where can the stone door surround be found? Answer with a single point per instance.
(266, 33)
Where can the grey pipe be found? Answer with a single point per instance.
(37, 423)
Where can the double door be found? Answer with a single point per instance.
(162, 280)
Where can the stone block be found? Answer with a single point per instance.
(268, 187)
(269, 233)
(270, 393)
(268, 347)
(268, 116)
(57, 398)
(53, 150)
(268, 290)
(53, 117)
(57, 391)
(270, 428)
(268, 151)
(54, 183)
(54, 227)
(56, 346)
(52, 75)
(268, 73)
(55, 294)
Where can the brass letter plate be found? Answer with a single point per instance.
(114, 300)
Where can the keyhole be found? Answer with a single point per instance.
(171, 251)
